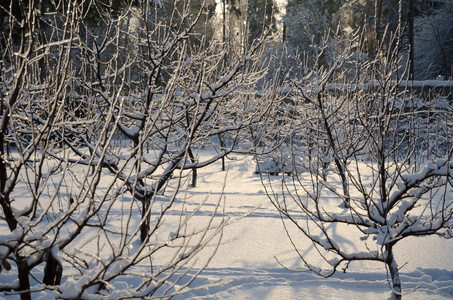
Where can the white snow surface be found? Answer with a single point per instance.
(247, 259)
(247, 262)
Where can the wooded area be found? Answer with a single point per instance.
(107, 105)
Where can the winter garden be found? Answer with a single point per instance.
(225, 149)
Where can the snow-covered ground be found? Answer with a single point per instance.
(247, 260)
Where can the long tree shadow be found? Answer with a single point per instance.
(434, 283)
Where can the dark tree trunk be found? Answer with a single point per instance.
(338, 163)
(194, 170)
(393, 270)
(222, 147)
(411, 39)
(24, 280)
(53, 270)
(144, 228)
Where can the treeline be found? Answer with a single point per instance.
(297, 26)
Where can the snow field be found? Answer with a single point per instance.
(247, 260)
(254, 246)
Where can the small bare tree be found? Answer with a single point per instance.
(91, 125)
(376, 168)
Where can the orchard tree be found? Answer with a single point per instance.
(372, 165)
(97, 148)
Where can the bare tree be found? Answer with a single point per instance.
(91, 125)
(372, 143)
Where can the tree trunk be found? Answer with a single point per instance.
(53, 270)
(222, 147)
(338, 164)
(24, 280)
(411, 39)
(146, 219)
(224, 21)
(148, 196)
(394, 272)
(194, 170)
(4, 197)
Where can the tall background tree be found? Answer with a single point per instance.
(261, 17)
(308, 24)
(433, 40)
